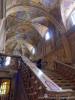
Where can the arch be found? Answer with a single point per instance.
(49, 17)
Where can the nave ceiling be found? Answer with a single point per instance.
(27, 21)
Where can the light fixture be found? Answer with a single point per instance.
(7, 61)
(4, 87)
(47, 36)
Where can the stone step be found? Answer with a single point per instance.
(58, 79)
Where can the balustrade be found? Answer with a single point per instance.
(35, 87)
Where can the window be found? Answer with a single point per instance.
(7, 61)
(73, 17)
(47, 36)
(33, 51)
(71, 20)
(2, 60)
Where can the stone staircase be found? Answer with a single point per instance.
(59, 80)
(45, 84)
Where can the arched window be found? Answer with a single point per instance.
(71, 20)
(73, 17)
(47, 36)
(33, 51)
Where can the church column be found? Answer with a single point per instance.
(67, 48)
(2, 25)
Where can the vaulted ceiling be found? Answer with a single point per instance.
(26, 23)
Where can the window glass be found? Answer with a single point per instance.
(47, 36)
(73, 17)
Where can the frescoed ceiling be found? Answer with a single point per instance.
(27, 21)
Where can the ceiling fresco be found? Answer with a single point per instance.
(27, 21)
